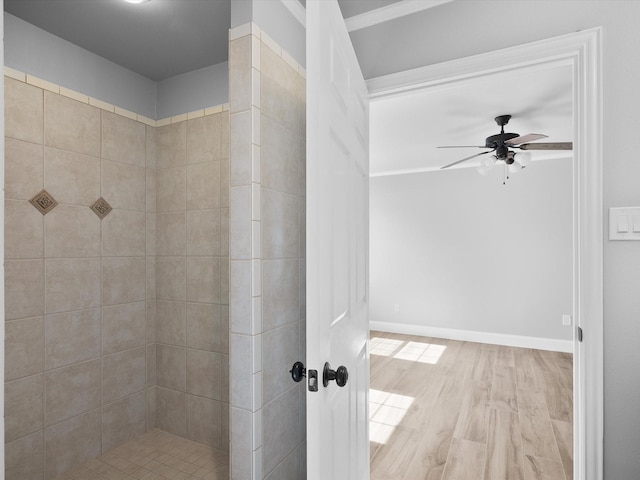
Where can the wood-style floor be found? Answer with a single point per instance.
(450, 410)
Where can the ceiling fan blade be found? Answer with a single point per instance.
(525, 138)
(464, 146)
(547, 146)
(464, 159)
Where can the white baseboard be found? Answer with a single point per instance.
(537, 343)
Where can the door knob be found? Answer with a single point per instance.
(298, 372)
(341, 375)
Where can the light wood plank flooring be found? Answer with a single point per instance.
(450, 410)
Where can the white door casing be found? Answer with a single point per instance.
(337, 248)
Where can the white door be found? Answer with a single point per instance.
(337, 248)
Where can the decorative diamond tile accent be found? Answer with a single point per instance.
(101, 208)
(44, 202)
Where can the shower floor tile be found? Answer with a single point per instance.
(156, 455)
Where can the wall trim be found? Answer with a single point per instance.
(520, 341)
(80, 97)
(583, 52)
(390, 12)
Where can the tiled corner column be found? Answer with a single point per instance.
(267, 105)
(245, 380)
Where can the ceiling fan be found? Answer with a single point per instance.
(501, 146)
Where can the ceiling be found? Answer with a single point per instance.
(158, 39)
(405, 131)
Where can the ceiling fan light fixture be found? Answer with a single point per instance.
(523, 158)
(488, 162)
(515, 167)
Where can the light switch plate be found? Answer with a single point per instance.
(624, 223)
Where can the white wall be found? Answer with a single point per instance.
(34, 51)
(457, 250)
(435, 36)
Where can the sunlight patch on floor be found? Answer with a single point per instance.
(383, 346)
(386, 411)
(421, 352)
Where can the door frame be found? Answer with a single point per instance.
(583, 52)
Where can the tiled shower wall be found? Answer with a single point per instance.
(80, 295)
(79, 348)
(192, 273)
(267, 225)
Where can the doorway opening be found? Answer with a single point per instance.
(580, 52)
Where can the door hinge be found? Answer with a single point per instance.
(579, 334)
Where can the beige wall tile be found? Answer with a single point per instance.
(123, 374)
(224, 182)
(171, 367)
(171, 278)
(72, 284)
(204, 421)
(225, 136)
(71, 177)
(240, 372)
(288, 469)
(123, 327)
(151, 226)
(23, 111)
(224, 232)
(72, 390)
(72, 442)
(203, 186)
(203, 279)
(171, 323)
(150, 146)
(123, 139)
(151, 408)
(240, 301)
(24, 230)
(280, 157)
(124, 234)
(203, 139)
(171, 411)
(72, 337)
(171, 142)
(240, 223)
(240, 74)
(240, 149)
(71, 125)
(24, 288)
(151, 190)
(151, 321)
(280, 293)
(151, 365)
(123, 185)
(123, 420)
(151, 277)
(241, 442)
(24, 458)
(203, 232)
(280, 348)
(280, 419)
(23, 407)
(23, 169)
(208, 374)
(206, 330)
(171, 233)
(224, 280)
(123, 280)
(279, 225)
(24, 343)
(171, 188)
(279, 89)
(72, 231)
